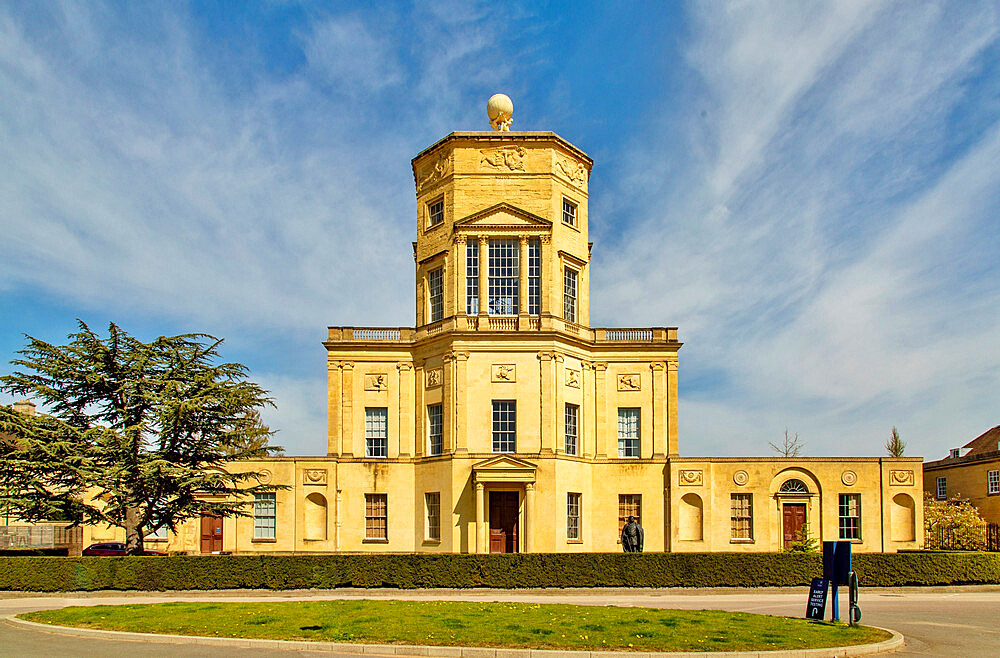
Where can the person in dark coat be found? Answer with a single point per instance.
(632, 536)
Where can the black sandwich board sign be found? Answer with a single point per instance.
(816, 609)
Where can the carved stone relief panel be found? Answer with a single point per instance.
(503, 372)
(510, 158)
(432, 173)
(629, 383)
(690, 478)
(574, 171)
(434, 378)
(314, 476)
(901, 478)
(376, 382)
(573, 378)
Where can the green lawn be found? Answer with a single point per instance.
(542, 626)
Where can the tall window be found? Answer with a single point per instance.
(573, 515)
(992, 482)
(504, 426)
(569, 294)
(263, 515)
(572, 423)
(741, 516)
(850, 516)
(432, 502)
(942, 488)
(376, 517)
(434, 434)
(504, 275)
(629, 505)
(376, 436)
(534, 277)
(435, 284)
(472, 277)
(435, 211)
(569, 212)
(628, 432)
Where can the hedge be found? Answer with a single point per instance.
(279, 572)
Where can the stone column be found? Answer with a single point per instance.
(601, 395)
(405, 423)
(482, 517)
(545, 249)
(460, 397)
(659, 409)
(672, 408)
(419, 412)
(588, 411)
(559, 407)
(522, 279)
(461, 300)
(334, 426)
(447, 403)
(347, 422)
(529, 517)
(484, 271)
(546, 386)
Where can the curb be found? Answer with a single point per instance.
(895, 643)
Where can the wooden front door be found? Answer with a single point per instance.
(211, 533)
(503, 521)
(793, 517)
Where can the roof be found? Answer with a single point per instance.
(504, 136)
(988, 441)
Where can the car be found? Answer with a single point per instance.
(113, 548)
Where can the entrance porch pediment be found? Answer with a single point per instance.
(504, 468)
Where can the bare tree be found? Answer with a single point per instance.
(790, 447)
(894, 445)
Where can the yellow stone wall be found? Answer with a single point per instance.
(967, 480)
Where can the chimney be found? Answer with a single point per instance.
(26, 407)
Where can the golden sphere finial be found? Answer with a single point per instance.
(500, 110)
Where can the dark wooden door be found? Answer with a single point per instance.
(503, 521)
(793, 517)
(211, 533)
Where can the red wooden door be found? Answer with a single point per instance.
(793, 517)
(211, 533)
(503, 521)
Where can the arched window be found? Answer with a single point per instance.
(794, 486)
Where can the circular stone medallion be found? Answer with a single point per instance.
(849, 478)
(741, 477)
(264, 477)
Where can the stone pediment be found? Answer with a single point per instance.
(503, 215)
(504, 468)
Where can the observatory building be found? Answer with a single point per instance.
(502, 421)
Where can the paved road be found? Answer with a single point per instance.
(953, 621)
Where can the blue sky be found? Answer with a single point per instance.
(810, 192)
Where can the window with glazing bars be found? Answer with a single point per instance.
(434, 434)
(569, 294)
(992, 482)
(572, 422)
(942, 488)
(628, 432)
(436, 212)
(534, 277)
(628, 505)
(435, 284)
(376, 516)
(263, 515)
(432, 501)
(472, 277)
(504, 277)
(504, 426)
(376, 436)
(741, 515)
(573, 515)
(850, 516)
(569, 212)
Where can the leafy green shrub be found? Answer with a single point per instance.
(280, 572)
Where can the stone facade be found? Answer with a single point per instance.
(502, 421)
(973, 474)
